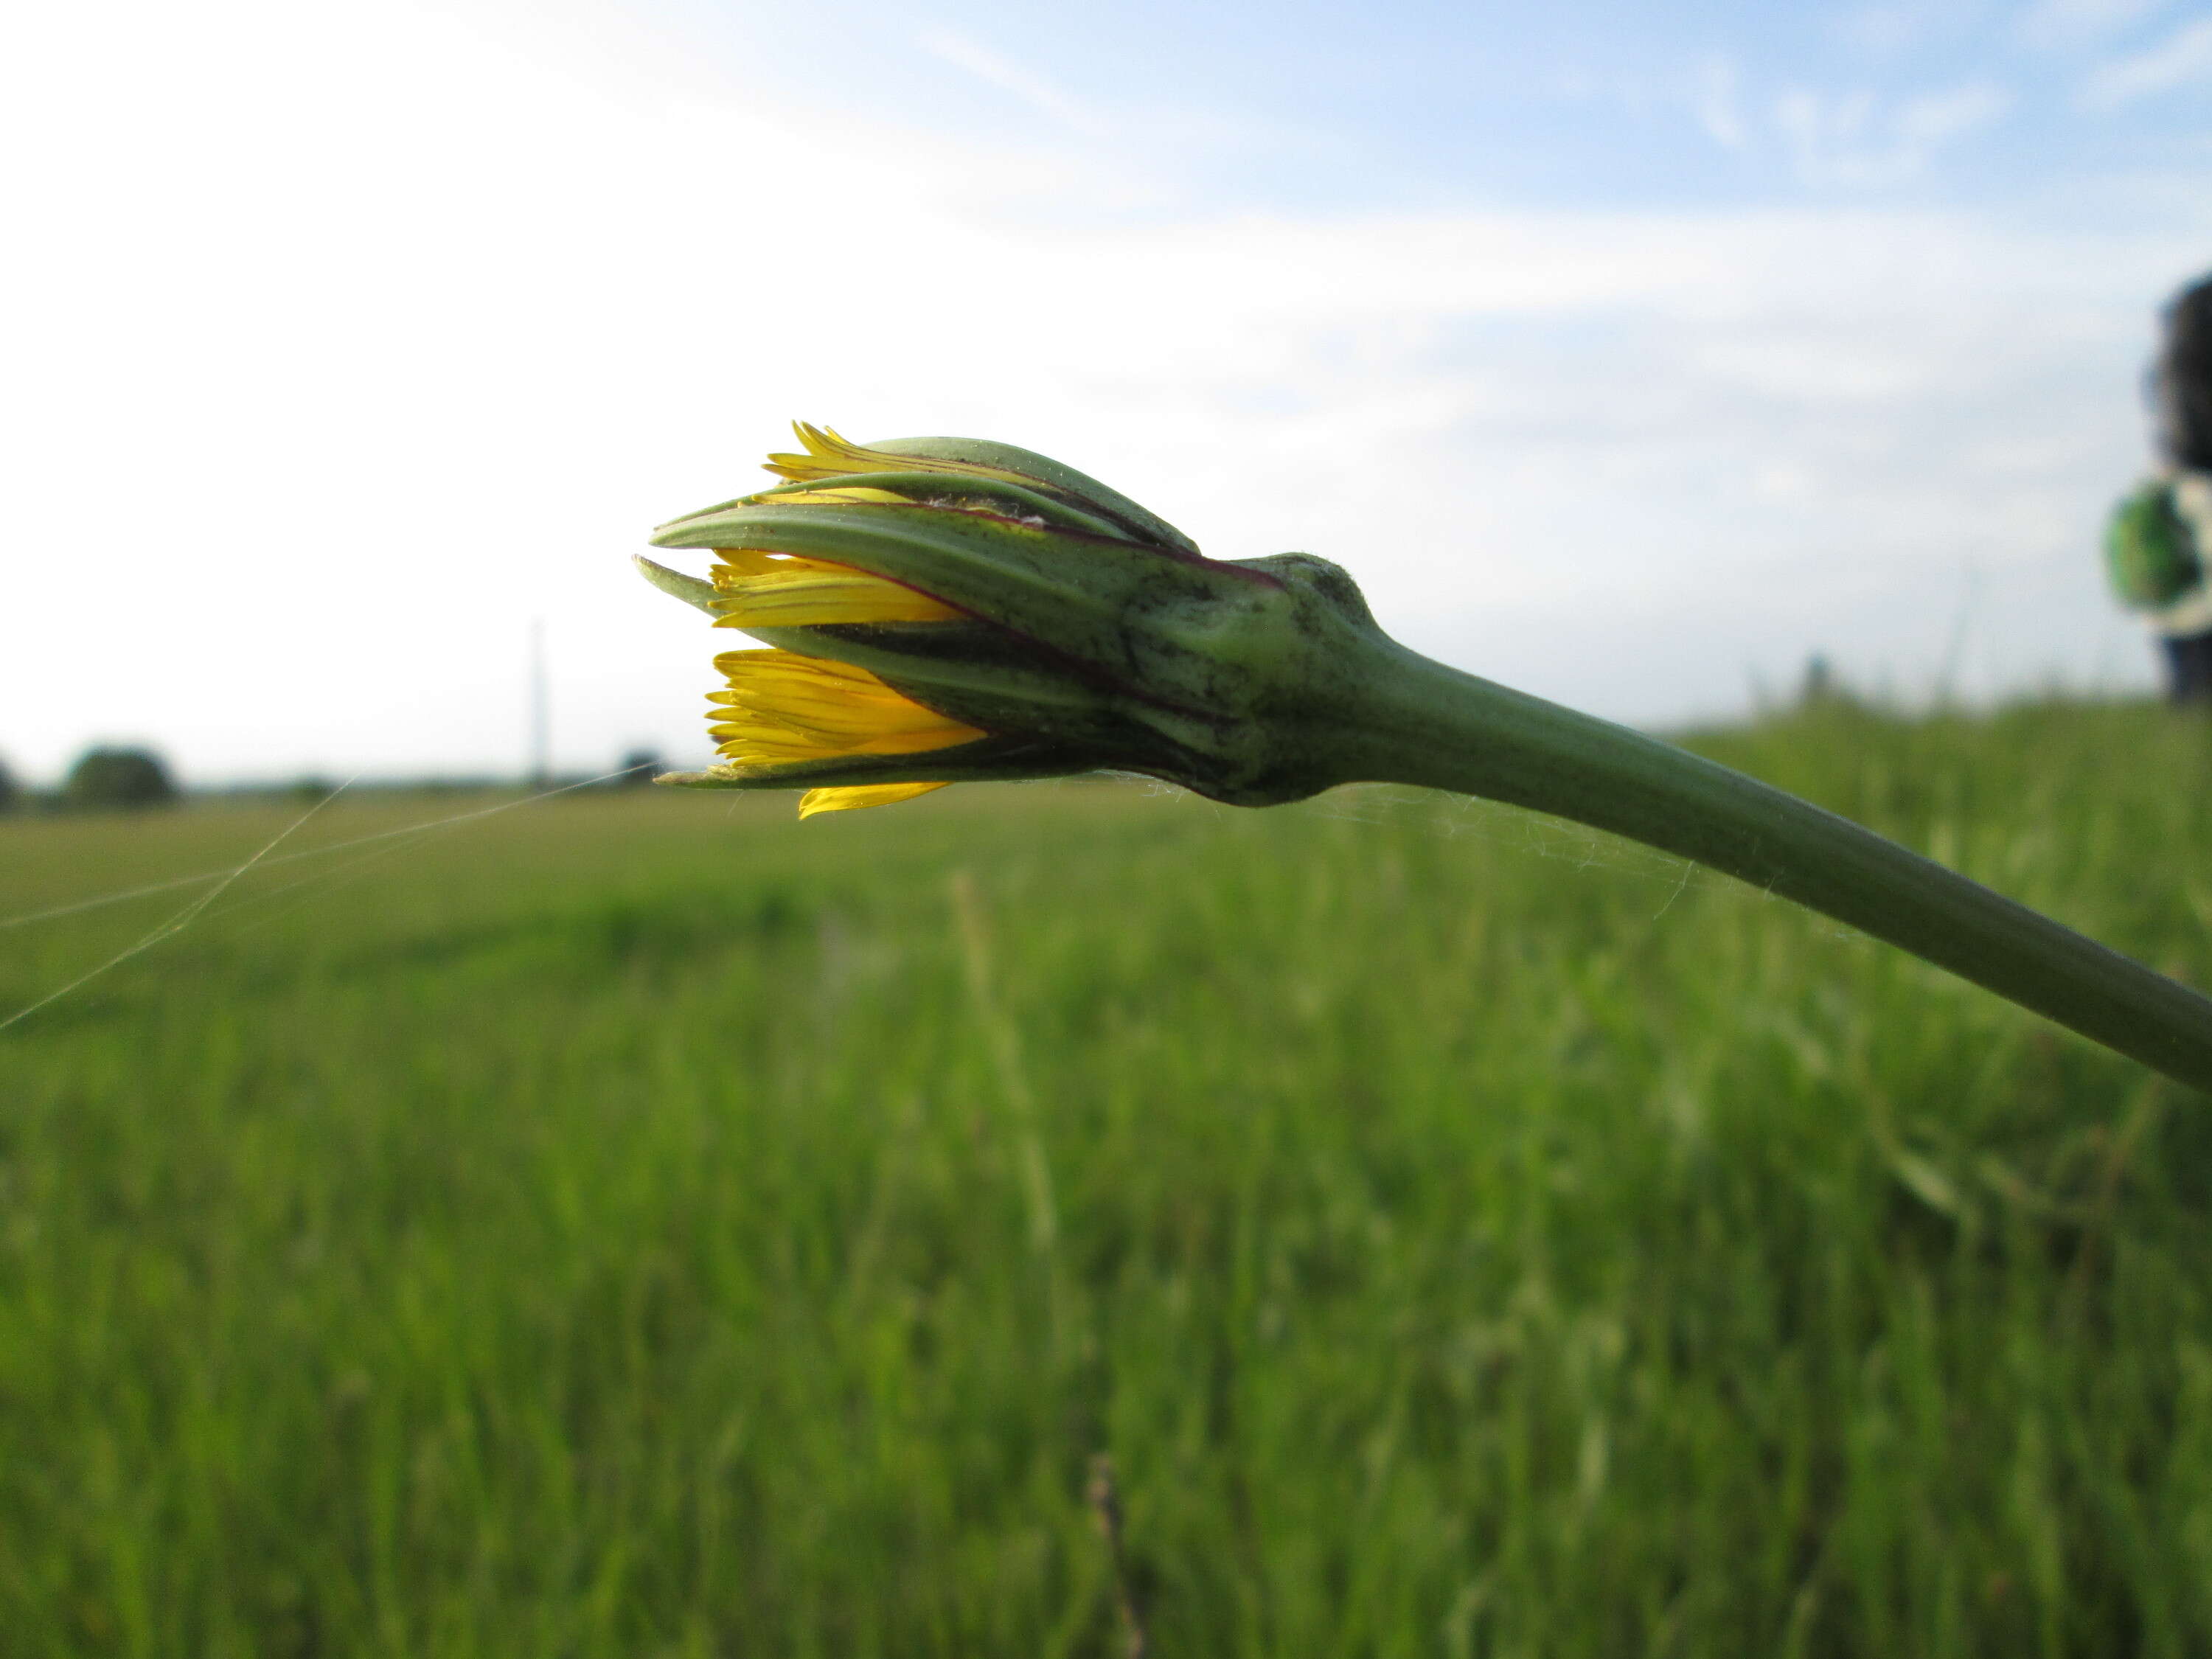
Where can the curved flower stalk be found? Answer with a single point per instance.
(939, 611)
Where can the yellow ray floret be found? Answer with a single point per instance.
(870, 794)
(832, 495)
(760, 590)
(830, 456)
(781, 706)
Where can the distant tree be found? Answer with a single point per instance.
(639, 766)
(118, 777)
(11, 797)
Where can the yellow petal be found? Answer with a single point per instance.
(782, 707)
(819, 597)
(830, 456)
(767, 744)
(777, 666)
(872, 794)
(738, 562)
(834, 722)
(785, 679)
(834, 495)
(756, 672)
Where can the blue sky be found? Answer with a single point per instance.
(1310, 106)
(1628, 358)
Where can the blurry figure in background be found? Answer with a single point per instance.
(2159, 538)
(2182, 382)
(2153, 550)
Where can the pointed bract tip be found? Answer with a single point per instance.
(674, 583)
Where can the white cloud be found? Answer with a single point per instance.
(1884, 30)
(1935, 118)
(996, 69)
(1715, 104)
(2063, 25)
(2183, 59)
(1854, 140)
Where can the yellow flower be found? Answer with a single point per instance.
(944, 610)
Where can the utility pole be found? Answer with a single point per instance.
(541, 717)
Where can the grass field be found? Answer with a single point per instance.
(639, 1224)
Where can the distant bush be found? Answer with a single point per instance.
(107, 778)
(639, 766)
(11, 795)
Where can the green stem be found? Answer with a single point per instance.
(1416, 721)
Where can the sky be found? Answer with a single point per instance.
(1629, 356)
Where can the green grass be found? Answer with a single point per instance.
(643, 1225)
